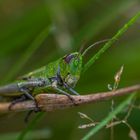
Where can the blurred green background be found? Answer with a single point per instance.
(34, 33)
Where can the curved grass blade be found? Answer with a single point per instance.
(109, 117)
(113, 40)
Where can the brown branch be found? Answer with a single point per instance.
(51, 102)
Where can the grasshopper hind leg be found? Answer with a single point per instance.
(29, 96)
(17, 100)
(25, 96)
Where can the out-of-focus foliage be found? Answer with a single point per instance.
(34, 33)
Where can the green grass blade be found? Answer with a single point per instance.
(109, 43)
(108, 118)
(31, 125)
(25, 57)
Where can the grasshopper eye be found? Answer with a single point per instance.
(68, 58)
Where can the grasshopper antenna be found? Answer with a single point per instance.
(82, 46)
(94, 44)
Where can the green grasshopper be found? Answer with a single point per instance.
(60, 76)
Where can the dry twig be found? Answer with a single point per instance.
(51, 102)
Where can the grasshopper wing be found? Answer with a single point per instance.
(34, 74)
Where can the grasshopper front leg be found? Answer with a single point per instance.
(71, 89)
(58, 90)
(62, 83)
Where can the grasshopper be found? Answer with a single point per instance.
(61, 76)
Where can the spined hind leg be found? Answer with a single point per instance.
(36, 109)
(25, 96)
(17, 100)
(29, 96)
(26, 88)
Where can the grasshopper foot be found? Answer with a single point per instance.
(65, 93)
(72, 100)
(26, 119)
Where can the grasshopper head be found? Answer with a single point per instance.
(73, 63)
